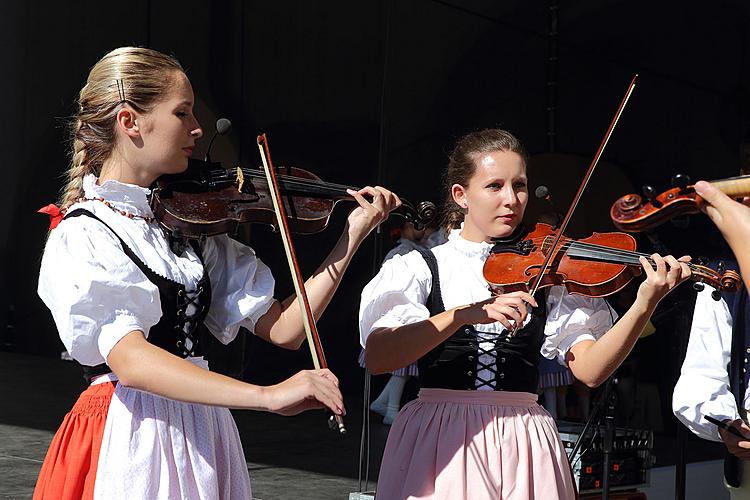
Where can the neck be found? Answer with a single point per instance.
(472, 233)
(118, 168)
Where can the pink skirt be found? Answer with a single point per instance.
(474, 445)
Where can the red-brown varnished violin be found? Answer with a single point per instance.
(208, 199)
(633, 214)
(597, 266)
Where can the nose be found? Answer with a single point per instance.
(197, 131)
(510, 195)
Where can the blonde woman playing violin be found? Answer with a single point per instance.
(154, 422)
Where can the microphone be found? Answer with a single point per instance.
(542, 193)
(222, 127)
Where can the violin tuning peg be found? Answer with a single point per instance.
(698, 286)
(681, 181)
(721, 267)
(650, 193)
(716, 295)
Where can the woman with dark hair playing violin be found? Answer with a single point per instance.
(475, 431)
(154, 422)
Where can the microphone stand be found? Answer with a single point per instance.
(607, 400)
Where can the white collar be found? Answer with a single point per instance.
(128, 197)
(466, 247)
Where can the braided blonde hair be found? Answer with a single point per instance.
(461, 165)
(135, 76)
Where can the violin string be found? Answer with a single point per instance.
(289, 182)
(297, 182)
(629, 257)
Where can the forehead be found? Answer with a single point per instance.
(499, 164)
(180, 89)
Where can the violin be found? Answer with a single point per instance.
(208, 199)
(632, 214)
(597, 266)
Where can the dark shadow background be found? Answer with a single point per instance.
(375, 92)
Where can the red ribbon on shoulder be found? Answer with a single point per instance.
(55, 215)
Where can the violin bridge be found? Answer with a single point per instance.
(240, 179)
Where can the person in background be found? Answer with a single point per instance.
(714, 381)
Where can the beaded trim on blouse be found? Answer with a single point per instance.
(124, 213)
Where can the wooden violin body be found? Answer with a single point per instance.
(514, 265)
(597, 266)
(208, 199)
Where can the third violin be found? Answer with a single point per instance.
(633, 214)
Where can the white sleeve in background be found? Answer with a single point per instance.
(396, 296)
(571, 319)
(703, 387)
(241, 287)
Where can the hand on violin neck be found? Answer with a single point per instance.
(508, 309)
(663, 274)
(369, 214)
(731, 217)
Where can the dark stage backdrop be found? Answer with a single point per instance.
(368, 91)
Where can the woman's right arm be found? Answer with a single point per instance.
(144, 366)
(391, 348)
(141, 365)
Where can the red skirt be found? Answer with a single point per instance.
(69, 469)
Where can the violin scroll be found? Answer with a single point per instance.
(420, 216)
(632, 214)
(722, 280)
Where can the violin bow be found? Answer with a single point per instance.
(581, 188)
(308, 320)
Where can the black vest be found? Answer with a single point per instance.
(177, 331)
(455, 363)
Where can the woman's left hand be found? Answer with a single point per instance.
(669, 273)
(369, 214)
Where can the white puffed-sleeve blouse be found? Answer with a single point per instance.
(97, 294)
(397, 296)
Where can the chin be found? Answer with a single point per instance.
(503, 230)
(178, 166)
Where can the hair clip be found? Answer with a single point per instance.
(121, 90)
